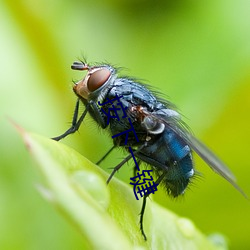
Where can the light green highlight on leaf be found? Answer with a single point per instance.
(106, 216)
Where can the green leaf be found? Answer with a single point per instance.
(106, 216)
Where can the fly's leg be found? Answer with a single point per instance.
(135, 167)
(144, 201)
(75, 123)
(116, 168)
(105, 155)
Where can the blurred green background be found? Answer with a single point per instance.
(196, 53)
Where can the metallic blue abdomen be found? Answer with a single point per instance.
(170, 155)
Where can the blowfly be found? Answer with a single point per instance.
(164, 142)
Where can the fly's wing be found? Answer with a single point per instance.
(175, 124)
(212, 160)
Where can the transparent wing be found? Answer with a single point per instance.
(175, 124)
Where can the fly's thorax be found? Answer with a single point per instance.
(94, 85)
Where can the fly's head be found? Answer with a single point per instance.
(95, 81)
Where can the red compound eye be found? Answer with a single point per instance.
(97, 79)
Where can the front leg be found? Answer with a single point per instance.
(75, 124)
